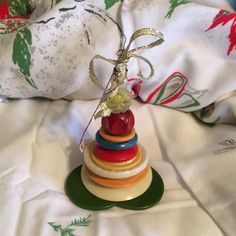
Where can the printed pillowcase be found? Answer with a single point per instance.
(46, 46)
(195, 67)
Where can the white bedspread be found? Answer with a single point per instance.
(39, 147)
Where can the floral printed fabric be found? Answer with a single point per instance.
(195, 65)
(46, 47)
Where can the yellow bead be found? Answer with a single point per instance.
(121, 102)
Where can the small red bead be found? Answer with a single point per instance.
(118, 124)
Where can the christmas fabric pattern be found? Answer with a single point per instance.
(175, 92)
(222, 18)
(46, 48)
(39, 34)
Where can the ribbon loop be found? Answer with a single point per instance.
(92, 75)
(120, 70)
(150, 65)
(142, 32)
(125, 55)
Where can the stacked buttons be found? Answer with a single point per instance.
(115, 159)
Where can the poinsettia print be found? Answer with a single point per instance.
(4, 9)
(222, 18)
(175, 92)
(14, 15)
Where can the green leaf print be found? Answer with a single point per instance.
(21, 54)
(190, 101)
(19, 7)
(59, 229)
(110, 3)
(173, 5)
(81, 221)
(69, 229)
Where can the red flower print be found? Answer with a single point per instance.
(222, 18)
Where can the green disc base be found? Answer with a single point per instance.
(81, 197)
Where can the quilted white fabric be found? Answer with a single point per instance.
(40, 148)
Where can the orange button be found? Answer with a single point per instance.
(115, 183)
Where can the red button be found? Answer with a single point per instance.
(115, 155)
(118, 124)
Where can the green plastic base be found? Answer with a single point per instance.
(81, 197)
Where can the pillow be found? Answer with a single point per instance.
(45, 48)
(195, 67)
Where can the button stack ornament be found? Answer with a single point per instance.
(116, 170)
(115, 165)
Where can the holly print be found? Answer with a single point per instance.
(14, 16)
(110, 3)
(69, 229)
(21, 54)
(173, 5)
(222, 18)
(20, 8)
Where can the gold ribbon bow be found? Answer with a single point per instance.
(120, 70)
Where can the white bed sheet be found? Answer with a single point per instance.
(39, 148)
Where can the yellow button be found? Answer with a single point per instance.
(117, 166)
